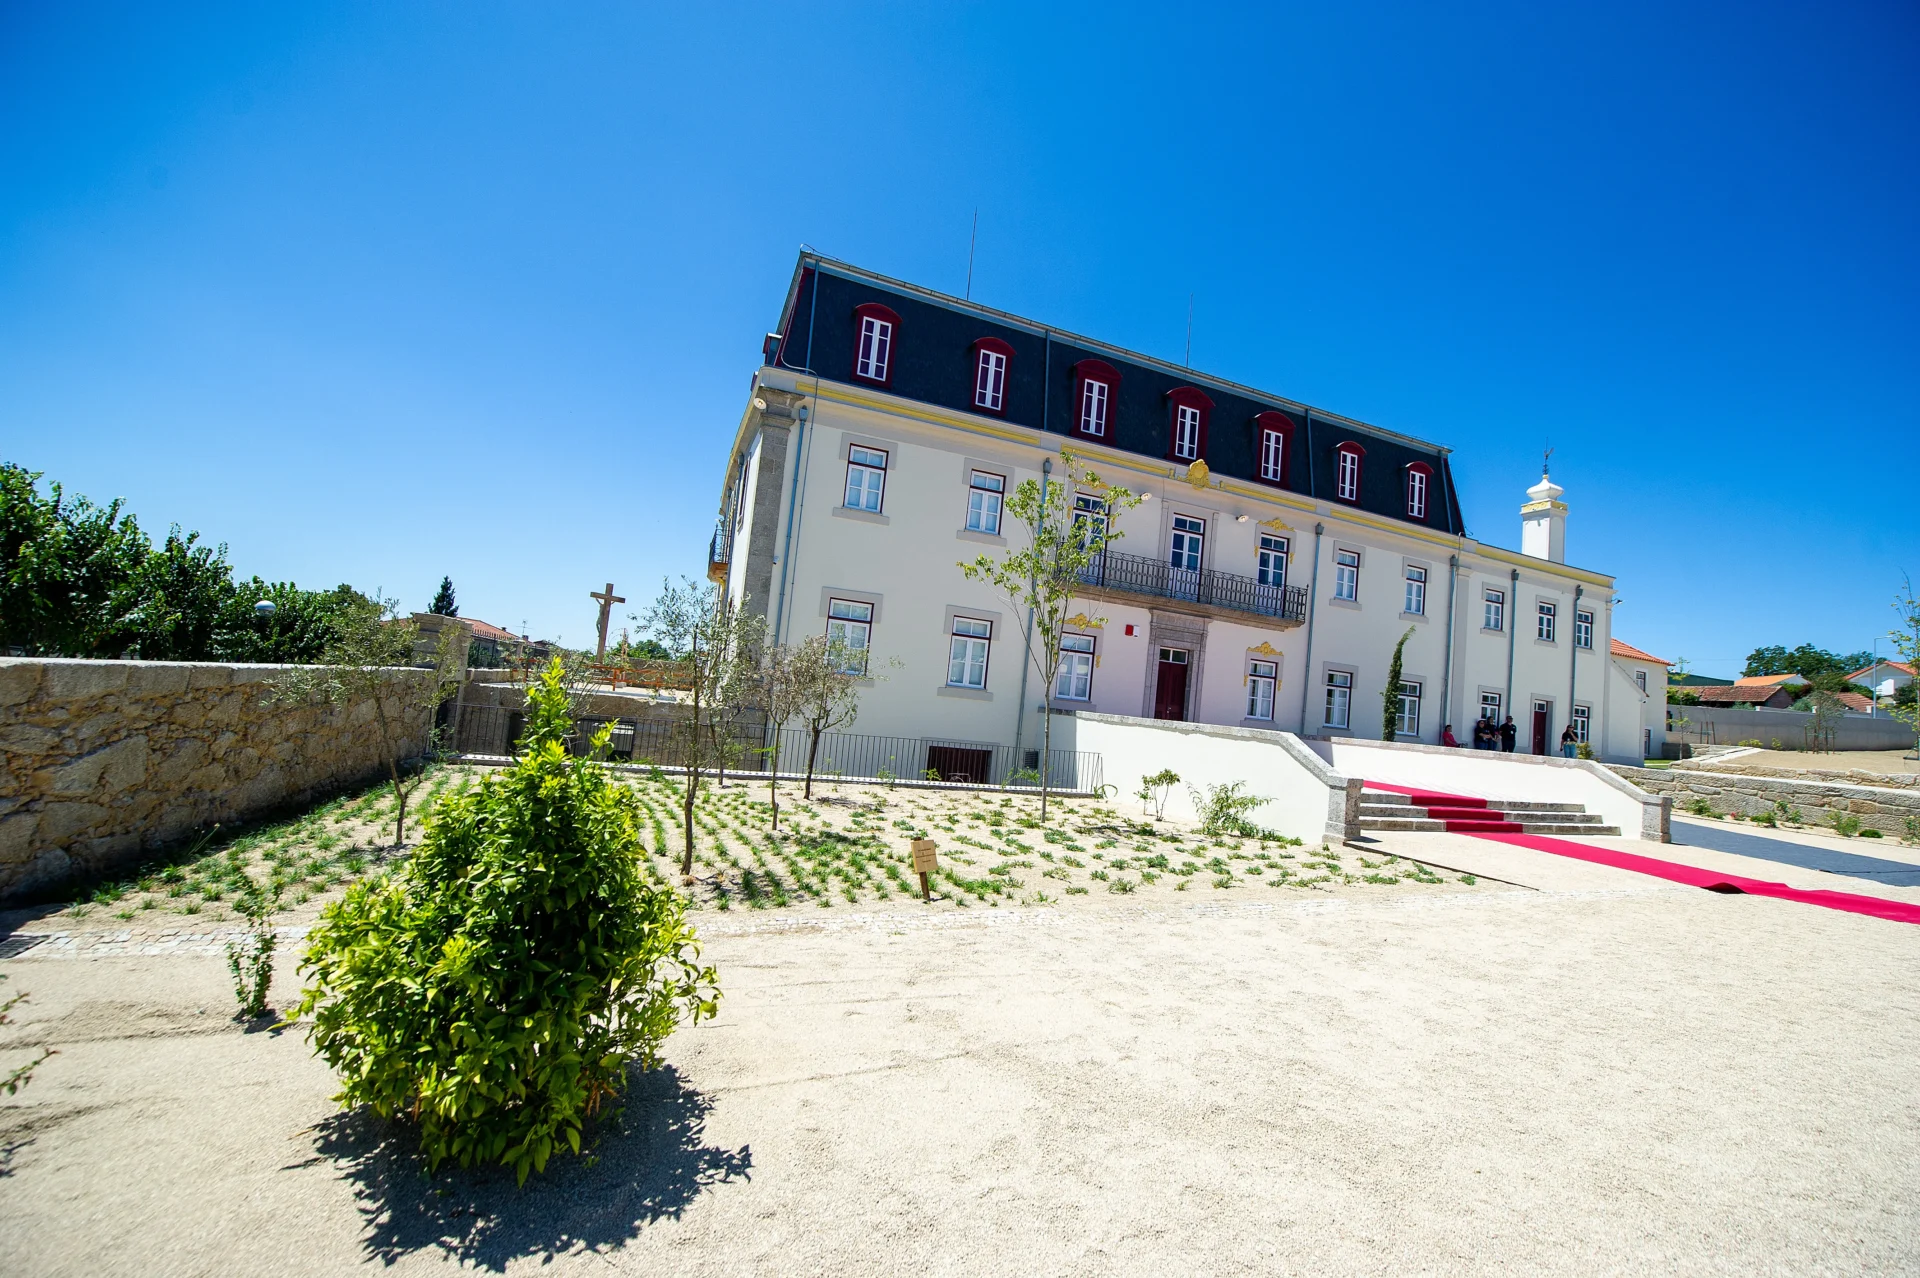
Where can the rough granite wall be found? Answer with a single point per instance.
(1883, 807)
(107, 760)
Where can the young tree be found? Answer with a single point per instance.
(688, 619)
(1390, 700)
(825, 694)
(372, 659)
(777, 686)
(443, 603)
(1906, 641)
(1064, 548)
(738, 636)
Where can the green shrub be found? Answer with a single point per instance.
(1223, 809)
(496, 988)
(1845, 824)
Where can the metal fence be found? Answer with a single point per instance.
(494, 732)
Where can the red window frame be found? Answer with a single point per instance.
(1188, 397)
(1005, 352)
(873, 310)
(1094, 370)
(1279, 424)
(1426, 490)
(1347, 446)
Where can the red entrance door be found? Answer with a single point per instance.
(1170, 689)
(1540, 715)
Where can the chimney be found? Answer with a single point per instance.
(1543, 522)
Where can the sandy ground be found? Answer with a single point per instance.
(1899, 762)
(1585, 1072)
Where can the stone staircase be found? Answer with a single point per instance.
(1382, 810)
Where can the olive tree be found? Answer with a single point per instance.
(1063, 551)
(376, 658)
(825, 692)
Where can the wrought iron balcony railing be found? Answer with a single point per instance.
(1139, 575)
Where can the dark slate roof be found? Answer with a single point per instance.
(933, 362)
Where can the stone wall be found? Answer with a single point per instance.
(1882, 807)
(105, 761)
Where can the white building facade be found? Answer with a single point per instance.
(1279, 554)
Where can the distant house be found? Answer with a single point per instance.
(1882, 679)
(1650, 675)
(1757, 693)
(1857, 702)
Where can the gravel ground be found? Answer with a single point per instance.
(1591, 1073)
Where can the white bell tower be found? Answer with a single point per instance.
(1543, 521)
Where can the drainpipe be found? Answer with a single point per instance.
(1020, 710)
(1446, 676)
(1573, 658)
(1513, 631)
(1313, 598)
(793, 505)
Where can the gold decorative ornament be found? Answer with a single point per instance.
(1275, 525)
(1197, 474)
(1264, 650)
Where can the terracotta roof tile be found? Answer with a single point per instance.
(1632, 653)
(1901, 666)
(1737, 694)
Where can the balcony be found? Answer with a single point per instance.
(1130, 576)
(720, 551)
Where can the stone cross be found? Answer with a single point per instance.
(607, 601)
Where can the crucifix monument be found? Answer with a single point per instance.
(607, 601)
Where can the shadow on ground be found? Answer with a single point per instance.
(648, 1164)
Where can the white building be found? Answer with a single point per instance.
(1883, 679)
(1280, 554)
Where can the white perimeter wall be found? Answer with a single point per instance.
(1484, 774)
(1308, 800)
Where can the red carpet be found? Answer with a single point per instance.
(1462, 815)
(1673, 871)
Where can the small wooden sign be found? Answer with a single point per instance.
(925, 862)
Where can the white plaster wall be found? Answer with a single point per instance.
(1486, 775)
(1308, 801)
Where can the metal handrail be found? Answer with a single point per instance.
(1137, 574)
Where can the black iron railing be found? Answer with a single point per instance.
(1139, 575)
(494, 732)
(720, 549)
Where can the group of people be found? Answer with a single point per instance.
(1488, 735)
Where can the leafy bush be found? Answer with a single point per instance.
(1223, 809)
(1153, 791)
(251, 959)
(496, 988)
(1845, 824)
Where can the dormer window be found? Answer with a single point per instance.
(1095, 384)
(990, 357)
(1187, 423)
(1419, 479)
(873, 352)
(1272, 432)
(1346, 471)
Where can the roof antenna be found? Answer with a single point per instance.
(1189, 330)
(971, 241)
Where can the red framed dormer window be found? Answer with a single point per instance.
(1346, 470)
(1419, 484)
(876, 329)
(1095, 384)
(1187, 411)
(991, 360)
(1272, 436)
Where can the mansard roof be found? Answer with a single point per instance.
(933, 361)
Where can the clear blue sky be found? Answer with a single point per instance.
(375, 293)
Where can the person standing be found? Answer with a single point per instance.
(1569, 744)
(1508, 735)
